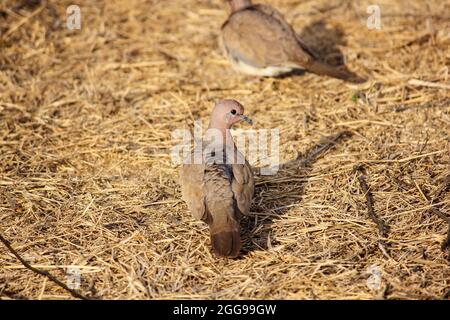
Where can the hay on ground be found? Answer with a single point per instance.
(86, 179)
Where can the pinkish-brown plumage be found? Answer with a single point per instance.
(258, 41)
(220, 193)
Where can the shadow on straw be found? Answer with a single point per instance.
(288, 178)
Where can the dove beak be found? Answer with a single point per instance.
(246, 119)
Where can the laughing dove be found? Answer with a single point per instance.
(219, 188)
(258, 41)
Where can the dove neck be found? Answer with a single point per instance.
(237, 5)
(220, 134)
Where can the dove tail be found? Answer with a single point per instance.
(225, 237)
(226, 243)
(321, 68)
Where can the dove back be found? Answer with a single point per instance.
(222, 217)
(239, 4)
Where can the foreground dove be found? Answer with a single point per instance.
(219, 189)
(258, 41)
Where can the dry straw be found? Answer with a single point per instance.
(86, 180)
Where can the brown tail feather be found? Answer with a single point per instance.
(321, 68)
(225, 228)
(226, 243)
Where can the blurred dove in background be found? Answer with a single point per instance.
(258, 41)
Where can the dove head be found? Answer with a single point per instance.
(236, 5)
(226, 113)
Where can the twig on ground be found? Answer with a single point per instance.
(382, 227)
(44, 273)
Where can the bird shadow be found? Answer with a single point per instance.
(322, 43)
(277, 194)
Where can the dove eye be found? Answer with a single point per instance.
(233, 111)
